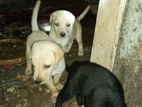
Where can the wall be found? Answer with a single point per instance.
(117, 44)
(128, 60)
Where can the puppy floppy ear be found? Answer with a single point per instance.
(52, 17)
(58, 54)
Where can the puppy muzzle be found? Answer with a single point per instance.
(62, 34)
(38, 81)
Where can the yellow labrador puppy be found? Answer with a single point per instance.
(44, 57)
(48, 65)
(34, 36)
(65, 28)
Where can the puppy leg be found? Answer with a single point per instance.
(56, 80)
(78, 37)
(80, 100)
(66, 93)
(80, 46)
(69, 46)
(28, 70)
(53, 90)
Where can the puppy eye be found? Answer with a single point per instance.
(68, 25)
(56, 24)
(46, 66)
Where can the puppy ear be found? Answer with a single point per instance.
(52, 17)
(58, 54)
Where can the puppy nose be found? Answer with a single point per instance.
(62, 34)
(38, 81)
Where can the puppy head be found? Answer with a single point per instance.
(62, 22)
(45, 57)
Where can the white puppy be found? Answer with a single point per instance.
(65, 28)
(34, 36)
(48, 65)
(46, 57)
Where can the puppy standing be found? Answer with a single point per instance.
(48, 65)
(65, 28)
(93, 85)
(34, 36)
(44, 56)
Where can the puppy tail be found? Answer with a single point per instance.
(83, 14)
(35, 16)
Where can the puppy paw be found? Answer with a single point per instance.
(59, 86)
(54, 97)
(80, 53)
(28, 72)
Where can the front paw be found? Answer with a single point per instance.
(28, 73)
(80, 53)
(54, 97)
(59, 86)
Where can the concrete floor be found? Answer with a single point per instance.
(16, 93)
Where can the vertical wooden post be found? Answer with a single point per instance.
(108, 24)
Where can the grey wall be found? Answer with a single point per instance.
(128, 60)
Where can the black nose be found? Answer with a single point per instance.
(62, 34)
(38, 81)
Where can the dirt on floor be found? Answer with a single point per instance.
(17, 93)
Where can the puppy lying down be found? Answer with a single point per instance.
(93, 85)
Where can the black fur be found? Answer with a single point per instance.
(93, 85)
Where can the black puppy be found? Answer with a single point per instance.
(93, 85)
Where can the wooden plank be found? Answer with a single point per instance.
(108, 24)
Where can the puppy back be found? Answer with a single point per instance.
(35, 16)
